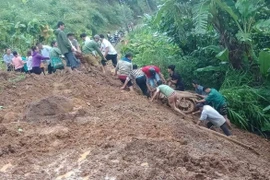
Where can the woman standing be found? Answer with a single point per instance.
(36, 60)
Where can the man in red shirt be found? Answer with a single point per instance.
(153, 74)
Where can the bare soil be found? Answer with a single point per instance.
(81, 126)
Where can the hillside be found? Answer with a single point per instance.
(81, 126)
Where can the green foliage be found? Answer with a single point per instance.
(150, 47)
(24, 22)
(264, 60)
(239, 94)
(223, 55)
(218, 42)
(266, 109)
(252, 117)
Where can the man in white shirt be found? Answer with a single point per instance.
(214, 118)
(109, 52)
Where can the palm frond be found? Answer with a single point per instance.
(200, 16)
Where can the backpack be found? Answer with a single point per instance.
(57, 63)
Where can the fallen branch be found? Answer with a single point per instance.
(230, 139)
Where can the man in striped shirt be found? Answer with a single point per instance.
(123, 69)
(137, 75)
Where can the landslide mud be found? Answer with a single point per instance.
(81, 126)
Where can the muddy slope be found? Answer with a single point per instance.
(81, 126)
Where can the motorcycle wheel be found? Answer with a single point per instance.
(186, 105)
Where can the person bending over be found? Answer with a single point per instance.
(215, 119)
(90, 53)
(198, 88)
(171, 94)
(107, 48)
(153, 75)
(124, 68)
(216, 100)
(137, 75)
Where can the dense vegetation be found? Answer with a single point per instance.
(223, 44)
(24, 22)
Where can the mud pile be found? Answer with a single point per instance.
(51, 107)
(81, 126)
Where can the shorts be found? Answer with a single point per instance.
(223, 110)
(90, 59)
(123, 80)
(110, 57)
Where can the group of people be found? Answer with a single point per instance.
(151, 81)
(97, 51)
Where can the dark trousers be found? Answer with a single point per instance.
(9, 68)
(113, 58)
(20, 70)
(50, 69)
(141, 81)
(224, 128)
(71, 60)
(36, 70)
(180, 87)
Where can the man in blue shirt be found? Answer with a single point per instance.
(8, 58)
(198, 88)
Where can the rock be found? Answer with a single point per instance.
(145, 164)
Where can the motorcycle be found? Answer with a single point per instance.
(187, 103)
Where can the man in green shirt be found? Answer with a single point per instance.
(90, 50)
(217, 101)
(171, 94)
(55, 55)
(65, 46)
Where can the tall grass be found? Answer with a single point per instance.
(245, 103)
